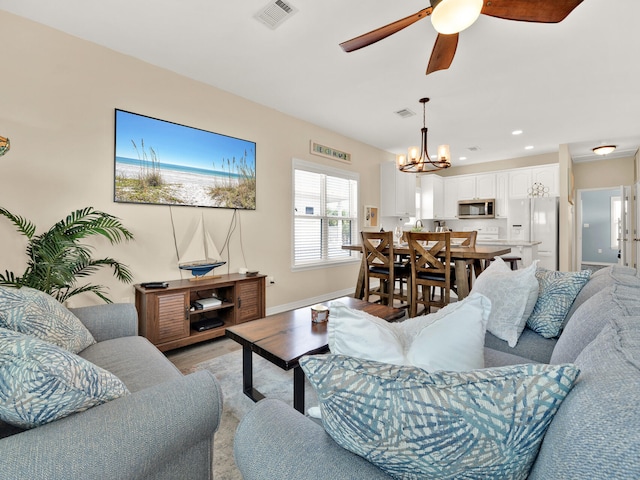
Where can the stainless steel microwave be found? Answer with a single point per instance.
(477, 208)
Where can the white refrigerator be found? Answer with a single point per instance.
(536, 219)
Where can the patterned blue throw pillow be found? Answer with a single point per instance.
(41, 382)
(412, 424)
(557, 291)
(30, 311)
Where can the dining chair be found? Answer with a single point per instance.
(430, 259)
(379, 258)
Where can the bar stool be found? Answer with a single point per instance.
(511, 260)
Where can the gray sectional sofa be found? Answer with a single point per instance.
(163, 430)
(595, 434)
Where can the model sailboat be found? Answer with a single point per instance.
(201, 255)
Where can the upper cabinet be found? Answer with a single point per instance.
(549, 176)
(440, 195)
(521, 180)
(431, 196)
(471, 187)
(397, 192)
(519, 183)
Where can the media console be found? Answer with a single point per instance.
(168, 317)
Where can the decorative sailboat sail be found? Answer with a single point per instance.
(201, 255)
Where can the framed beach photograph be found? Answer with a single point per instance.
(164, 163)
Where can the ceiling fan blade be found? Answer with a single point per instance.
(383, 32)
(541, 11)
(443, 52)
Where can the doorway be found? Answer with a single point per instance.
(601, 227)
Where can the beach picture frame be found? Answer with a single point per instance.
(159, 162)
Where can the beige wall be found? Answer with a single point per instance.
(58, 99)
(604, 173)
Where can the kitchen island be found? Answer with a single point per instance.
(526, 250)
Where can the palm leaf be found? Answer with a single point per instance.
(56, 259)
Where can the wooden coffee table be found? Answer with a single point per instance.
(285, 337)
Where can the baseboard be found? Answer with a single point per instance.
(308, 301)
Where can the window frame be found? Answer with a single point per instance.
(350, 256)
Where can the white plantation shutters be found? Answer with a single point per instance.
(325, 217)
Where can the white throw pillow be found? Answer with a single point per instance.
(513, 294)
(450, 339)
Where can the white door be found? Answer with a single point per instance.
(636, 234)
(625, 239)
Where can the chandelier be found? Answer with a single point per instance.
(418, 160)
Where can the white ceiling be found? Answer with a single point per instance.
(576, 82)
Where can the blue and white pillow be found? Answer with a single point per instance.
(41, 382)
(412, 424)
(557, 291)
(30, 311)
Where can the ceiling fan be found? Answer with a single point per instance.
(449, 17)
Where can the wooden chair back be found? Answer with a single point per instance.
(468, 238)
(430, 259)
(377, 249)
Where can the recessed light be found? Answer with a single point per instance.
(529, 147)
(462, 158)
(517, 132)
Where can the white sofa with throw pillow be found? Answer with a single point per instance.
(570, 414)
(82, 396)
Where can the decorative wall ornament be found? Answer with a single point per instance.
(328, 152)
(370, 216)
(538, 190)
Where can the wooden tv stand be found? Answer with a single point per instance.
(166, 315)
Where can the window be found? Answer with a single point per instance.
(325, 217)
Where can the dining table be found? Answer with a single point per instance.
(460, 255)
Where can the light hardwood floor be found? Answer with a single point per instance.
(187, 357)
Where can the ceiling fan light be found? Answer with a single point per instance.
(453, 16)
(604, 149)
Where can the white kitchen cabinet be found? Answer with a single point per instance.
(432, 196)
(502, 195)
(397, 192)
(451, 197)
(471, 187)
(486, 185)
(549, 176)
(466, 187)
(519, 183)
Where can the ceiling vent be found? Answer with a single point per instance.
(275, 13)
(405, 113)
(473, 149)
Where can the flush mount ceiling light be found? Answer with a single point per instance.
(4, 145)
(418, 160)
(603, 149)
(453, 16)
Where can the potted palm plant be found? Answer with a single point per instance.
(57, 259)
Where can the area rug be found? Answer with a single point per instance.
(271, 381)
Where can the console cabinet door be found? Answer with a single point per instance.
(250, 300)
(171, 319)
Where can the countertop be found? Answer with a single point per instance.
(509, 243)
